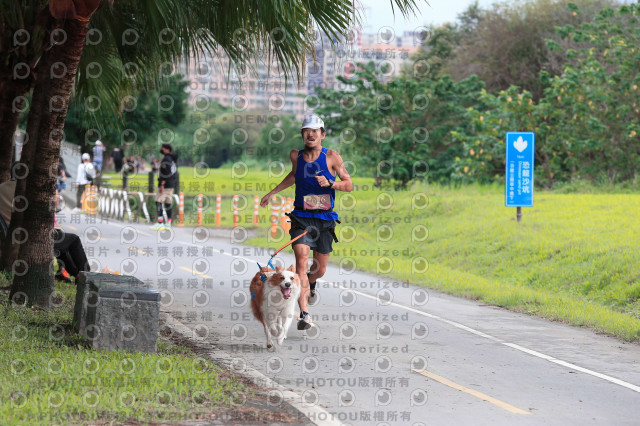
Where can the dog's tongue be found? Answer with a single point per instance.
(286, 292)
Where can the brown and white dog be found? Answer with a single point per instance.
(273, 301)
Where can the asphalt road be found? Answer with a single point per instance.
(383, 352)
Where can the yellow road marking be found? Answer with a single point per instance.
(194, 272)
(475, 393)
(138, 250)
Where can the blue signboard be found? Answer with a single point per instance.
(518, 178)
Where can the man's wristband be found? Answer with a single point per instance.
(331, 184)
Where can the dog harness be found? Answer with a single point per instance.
(263, 277)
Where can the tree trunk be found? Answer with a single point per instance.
(10, 106)
(39, 106)
(7, 126)
(34, 273)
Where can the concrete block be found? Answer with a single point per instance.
(117, 312)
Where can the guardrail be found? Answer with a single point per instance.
(132, 206)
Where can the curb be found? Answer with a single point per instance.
(306, 410)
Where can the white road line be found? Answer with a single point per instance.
(511, 345)
(313, 411)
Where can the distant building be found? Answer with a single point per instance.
(262, 86)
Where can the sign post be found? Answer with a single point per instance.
(519, 171)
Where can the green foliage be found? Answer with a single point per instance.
(587, 123)
(277, 138)
(483, 147)
(144, 114)
(399, 130)
(443, 41)
(594, 105)
(504, 45)
(221, 136)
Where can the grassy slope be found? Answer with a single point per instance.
(573, 258)
(48, 375)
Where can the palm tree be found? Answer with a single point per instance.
(22, 29)
(242, 28)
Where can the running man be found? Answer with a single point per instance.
(314, 171)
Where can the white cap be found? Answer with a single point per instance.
(98, 142)
(86, 156)
(312, 122)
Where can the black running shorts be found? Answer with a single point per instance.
(319, 238)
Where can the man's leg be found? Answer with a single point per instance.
(318, 269)
(301, 252)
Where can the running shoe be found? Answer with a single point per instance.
(305, 322)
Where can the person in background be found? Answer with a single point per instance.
(68, 250)
(61, 182)
(98, 152)
(128, 169)
(117, 156)
(132, 161)
(166, 183)
(84, 176)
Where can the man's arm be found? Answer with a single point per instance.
(288, 180)
(345, 183)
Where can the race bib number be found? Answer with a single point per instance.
(317, 202)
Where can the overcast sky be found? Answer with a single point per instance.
(378, 14)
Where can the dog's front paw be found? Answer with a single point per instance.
(281, 340)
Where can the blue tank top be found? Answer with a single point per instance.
(307, 184)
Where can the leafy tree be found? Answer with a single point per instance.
(144, 113)
(400, 130)
(277, 138)
(431, 60)
(596, 101)
(505, 45)
(222, 138)
(482, 147)
(587, 122)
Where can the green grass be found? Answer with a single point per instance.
(48, 375)
(573, 258)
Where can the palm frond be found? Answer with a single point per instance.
(172, 31)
